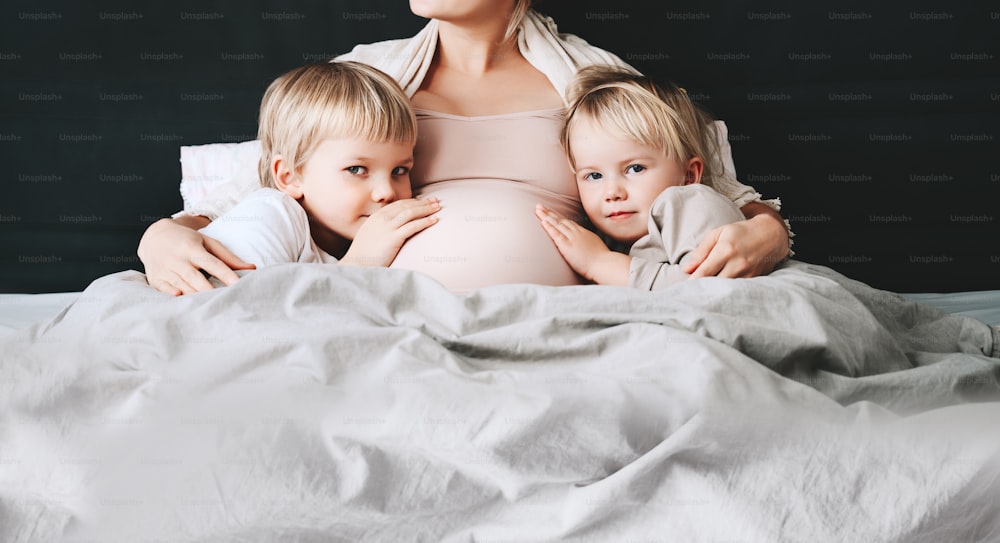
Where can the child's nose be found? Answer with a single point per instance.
(614, 190)
(383, 191)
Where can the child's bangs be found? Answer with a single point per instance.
(371, 120)
(638, 120)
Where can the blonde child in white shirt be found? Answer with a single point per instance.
(638, 152)
(336, 151)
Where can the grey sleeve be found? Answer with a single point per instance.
(679, 219)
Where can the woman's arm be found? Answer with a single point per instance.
(680, 217)
(174, 254)
(744, 249)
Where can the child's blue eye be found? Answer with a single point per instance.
(635, 168)
(593, 176)
(401, 170)
(355, 170)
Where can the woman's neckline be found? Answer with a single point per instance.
(545, 112)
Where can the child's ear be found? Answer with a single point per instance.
(285, 178)
(692, 174)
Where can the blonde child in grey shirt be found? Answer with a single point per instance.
(637, 151)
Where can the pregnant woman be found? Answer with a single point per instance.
(487, 79)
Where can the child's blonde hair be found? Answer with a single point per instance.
(330, 100)
(661, 117)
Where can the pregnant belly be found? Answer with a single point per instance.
(487, 234)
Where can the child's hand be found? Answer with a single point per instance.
(583, 250)
(385, 231)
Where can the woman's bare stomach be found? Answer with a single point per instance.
(487, 234)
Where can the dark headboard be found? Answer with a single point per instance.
(876, 126)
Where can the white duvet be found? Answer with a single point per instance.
(326, 403)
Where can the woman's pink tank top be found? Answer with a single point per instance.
(489, 172)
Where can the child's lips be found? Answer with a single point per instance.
(620, 215)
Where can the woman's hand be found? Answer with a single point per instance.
(379, 239)
(174, 255)
(744, 249)
(583, 250)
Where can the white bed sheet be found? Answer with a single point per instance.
(18, 311)
(981, 304)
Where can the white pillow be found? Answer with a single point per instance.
(217, 176)
(725, 149)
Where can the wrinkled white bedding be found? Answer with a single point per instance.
(325, 403)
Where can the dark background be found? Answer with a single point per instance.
(876, 126)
